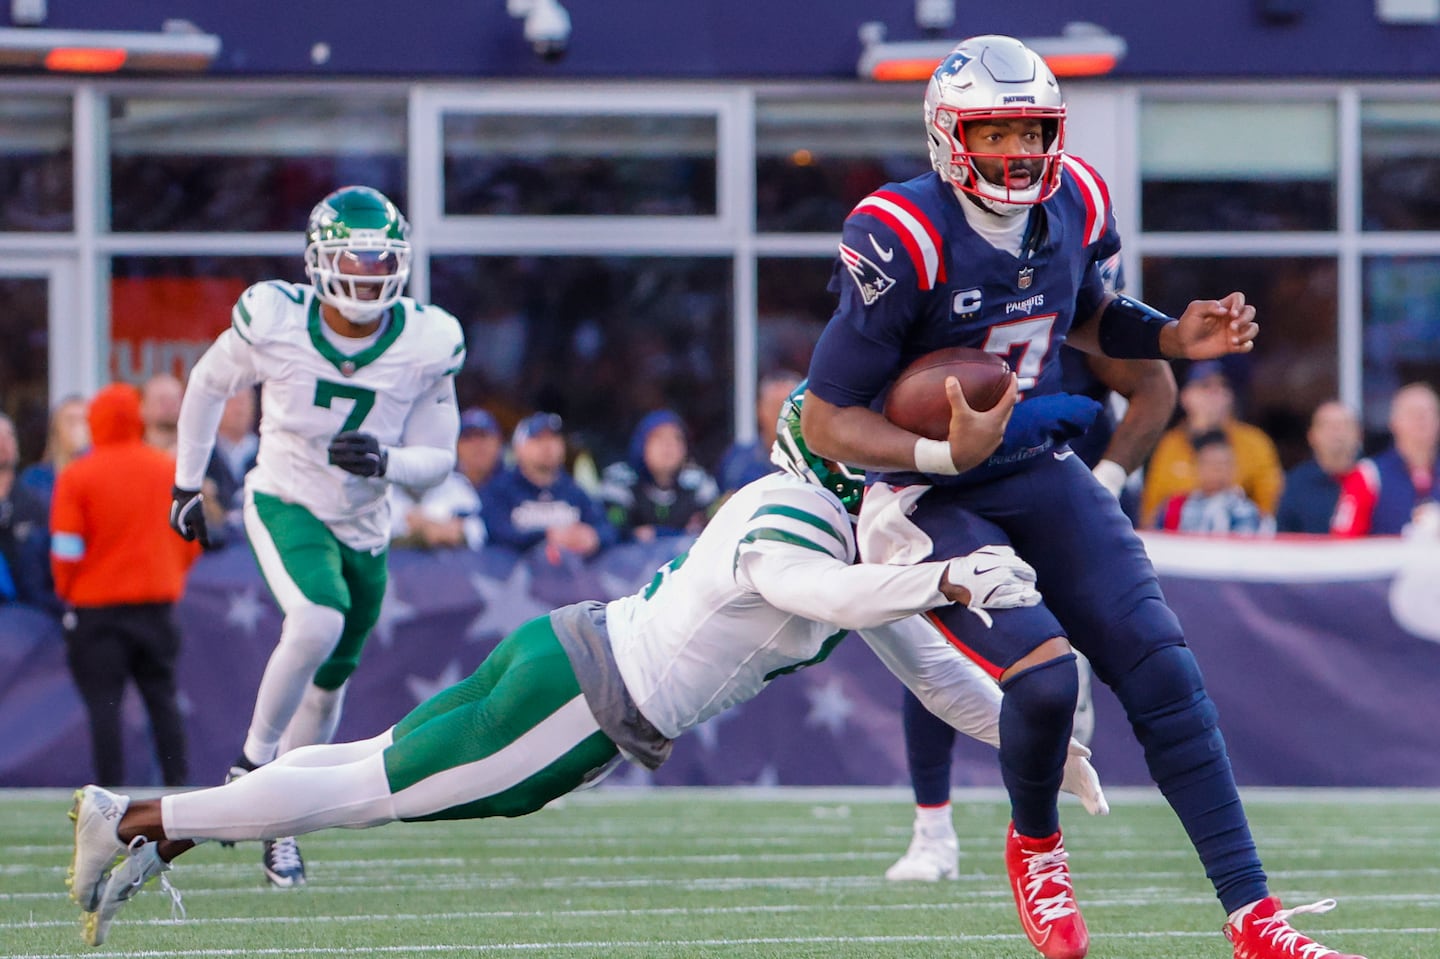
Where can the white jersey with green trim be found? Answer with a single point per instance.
(769, 587)
(315, 384)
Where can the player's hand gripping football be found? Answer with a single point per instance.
(974, 435)
(1212, 328)
(187, 515)
(994, 577)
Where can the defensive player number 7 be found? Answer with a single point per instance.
(364, 400)
(1029, 338)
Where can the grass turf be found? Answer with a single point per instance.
(738, 873)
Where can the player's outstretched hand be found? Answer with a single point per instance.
(994, 577)
(975, 435)
(358, 453)
(1083, 781)
(1213, 328)
(187, 517)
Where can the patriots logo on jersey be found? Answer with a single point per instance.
(872, 281)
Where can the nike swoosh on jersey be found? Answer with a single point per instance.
(884, 254)
(1063, 454)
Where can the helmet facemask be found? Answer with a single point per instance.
(998, 80)
(357, 253)
(792, 455)
(361, 278)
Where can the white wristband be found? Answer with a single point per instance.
(1111, 475)
(933, 456)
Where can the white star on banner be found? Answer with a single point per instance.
(829, 706)
(504, 604)
(422, 688)
(245, 611)
(769, 776)
(393, 612)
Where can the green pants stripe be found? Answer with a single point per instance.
(504, 742)
(302, 562)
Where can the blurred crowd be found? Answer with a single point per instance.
(534, 487)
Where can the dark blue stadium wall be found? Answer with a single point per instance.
(746, 39)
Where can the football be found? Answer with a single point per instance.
(917, 400)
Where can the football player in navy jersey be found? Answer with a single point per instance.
(998, 249)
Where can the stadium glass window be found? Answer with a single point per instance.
(165, 311)
(247, 164)
(817, 158)
(579, 164)
(25, 362)
(792, 307)
(1400, 164)
(600, 340)
(1402, 330)
(1295, 365)
(1213, 167)
(37, 166)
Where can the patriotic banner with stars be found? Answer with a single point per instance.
(1321, 656)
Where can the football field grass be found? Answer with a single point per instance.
(738, 873)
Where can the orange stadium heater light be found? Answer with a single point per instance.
(1083, 50)
(178, 48)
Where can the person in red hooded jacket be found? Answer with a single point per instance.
(119, 571)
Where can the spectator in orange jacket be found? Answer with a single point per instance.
(1209, 404)
(119, 570)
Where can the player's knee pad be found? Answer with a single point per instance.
(1173, 716)
(311, 633)
(1043, 695)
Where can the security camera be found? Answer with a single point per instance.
(547, 26)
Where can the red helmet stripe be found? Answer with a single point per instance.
(919, 237)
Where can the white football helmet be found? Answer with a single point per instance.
(357, 253)
(994, 77)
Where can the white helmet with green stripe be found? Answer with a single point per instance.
(792, 455)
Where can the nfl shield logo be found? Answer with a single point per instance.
(1027, 275)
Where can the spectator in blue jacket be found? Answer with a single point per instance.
(536, 500)
(1313, 488)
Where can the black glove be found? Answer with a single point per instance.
(358, 453)
(187, 517)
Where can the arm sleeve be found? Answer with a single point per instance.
(67, 534)
(427, 453)
(950, 684)
(1359, 491)
(861, 347)
(820, 587)
(226, 368)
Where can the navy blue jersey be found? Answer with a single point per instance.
(914, 277)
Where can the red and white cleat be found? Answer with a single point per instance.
(1040, 880)
(1265, 933)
